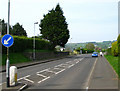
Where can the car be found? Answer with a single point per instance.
(95, 54)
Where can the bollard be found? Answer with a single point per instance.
(13, 76)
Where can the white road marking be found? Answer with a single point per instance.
(68, 62)
(43, 70)
(2, 83)
(51, 71)
(77, 62)
(41, 75)
(88, 80)
(22, 87)
(86, 88)
(28, 80)
(57, 68)
(19, 79)
(59, 71)
(25, 78)
(71, 66)
(44, 79)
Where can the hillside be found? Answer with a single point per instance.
(103, 45)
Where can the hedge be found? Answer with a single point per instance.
(23, 43)
(114, 48)
(118, 39)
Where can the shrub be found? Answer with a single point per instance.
(23, 43)
(109, 51)
(114, 49)
(118, 39)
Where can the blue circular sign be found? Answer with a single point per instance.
(7, 40)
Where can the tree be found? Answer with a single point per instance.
(18, 30)
(114, 49)
(90, 46)
(118, 39)
(4, 27)
(54, 27)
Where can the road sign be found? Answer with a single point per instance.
(7, 40)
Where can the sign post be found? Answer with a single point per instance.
(7, 41)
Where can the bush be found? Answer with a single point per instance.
(118, 39)
(109, 51)
(114, 49)
(23, 43)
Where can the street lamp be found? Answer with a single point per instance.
(34, 42)
(8, 62)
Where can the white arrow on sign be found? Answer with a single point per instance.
(6, 41)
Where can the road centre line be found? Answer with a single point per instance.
(88, 80)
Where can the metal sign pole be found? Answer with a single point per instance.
(7, 62)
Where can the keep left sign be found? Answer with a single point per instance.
(7, 40)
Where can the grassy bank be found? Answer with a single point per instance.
(114, 62)
(14, 58)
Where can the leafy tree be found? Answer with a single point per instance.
(114, 49)
(4, 27)
(118, 39)
(18, 30)
(90, 46)
(54, 27)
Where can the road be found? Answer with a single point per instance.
(75, 72)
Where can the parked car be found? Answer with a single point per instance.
(95, 54)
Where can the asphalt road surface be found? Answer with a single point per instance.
(75, 72)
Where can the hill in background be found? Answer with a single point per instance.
(103, 45)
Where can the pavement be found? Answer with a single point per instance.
(81, 72)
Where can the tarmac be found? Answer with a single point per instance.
(22, 86)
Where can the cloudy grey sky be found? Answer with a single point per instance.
(89, 20)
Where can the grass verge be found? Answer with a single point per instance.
(15, 58)
(114, 62)
(31, 50)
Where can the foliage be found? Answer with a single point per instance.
(118, 39)
(109, 51)
(23, 43)
(18, 30)
(90, 46)
(84, 50)
(4, 27)
(114, 49)
(54, 27)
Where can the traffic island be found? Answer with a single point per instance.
(18, 87)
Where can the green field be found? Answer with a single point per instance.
(114, 62)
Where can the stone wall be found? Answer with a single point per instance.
(45, 55)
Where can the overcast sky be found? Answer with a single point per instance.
(89, 20)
